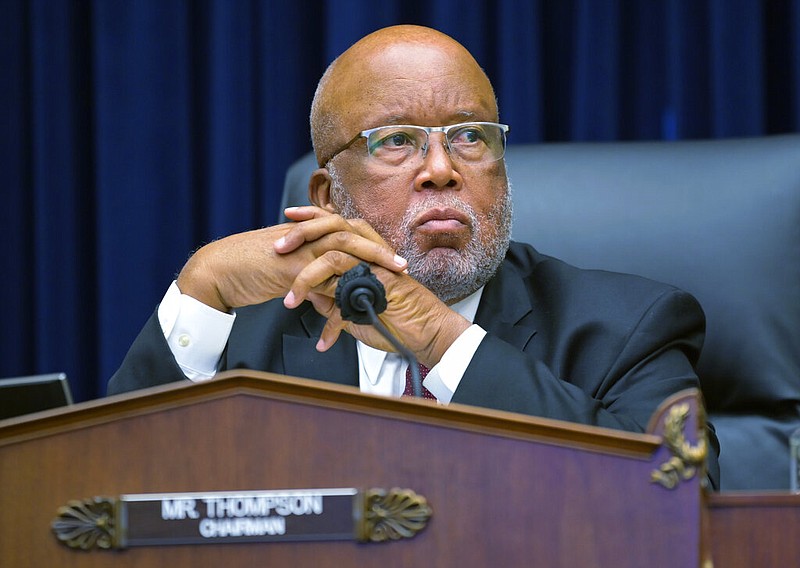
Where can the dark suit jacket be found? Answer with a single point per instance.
(584, 346)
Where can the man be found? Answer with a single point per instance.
(412, 181)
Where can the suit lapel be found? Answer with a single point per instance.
(301, 359)
(505, 308)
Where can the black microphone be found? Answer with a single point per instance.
(360, 297)
(357, 289)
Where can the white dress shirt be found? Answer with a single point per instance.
(197, 335)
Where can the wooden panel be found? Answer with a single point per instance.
(748, 530)
(506, 490)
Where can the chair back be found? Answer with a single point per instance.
(718, 218)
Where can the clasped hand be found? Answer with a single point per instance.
(303, 260)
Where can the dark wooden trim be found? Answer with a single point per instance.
(318, 393)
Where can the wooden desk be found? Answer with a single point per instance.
(506, 490)
(754, 530)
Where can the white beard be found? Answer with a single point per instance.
(449, 273)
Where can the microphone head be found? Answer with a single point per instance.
(355, 286)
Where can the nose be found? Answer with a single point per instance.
(438, 171)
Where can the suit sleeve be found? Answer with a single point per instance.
(615, 382)
(149, 362)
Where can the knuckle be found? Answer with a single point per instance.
(341, 239)
(336, 258)
(380, 250)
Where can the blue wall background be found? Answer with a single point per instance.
(133, 132)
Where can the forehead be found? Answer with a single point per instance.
(413, 84)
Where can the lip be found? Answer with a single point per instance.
(442, 219)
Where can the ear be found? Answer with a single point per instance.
(319, 190)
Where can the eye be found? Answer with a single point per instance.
(391, 139)
(397, 139)
(468, 135)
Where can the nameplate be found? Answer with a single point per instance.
(158, 519)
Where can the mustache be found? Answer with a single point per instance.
(445, 200)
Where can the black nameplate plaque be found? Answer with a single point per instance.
(252, 516)
(241, 516)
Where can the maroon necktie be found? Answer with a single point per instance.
(423, 372)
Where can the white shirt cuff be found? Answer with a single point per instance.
(196, 333)
(444, 378)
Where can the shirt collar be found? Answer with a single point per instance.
(371, 360)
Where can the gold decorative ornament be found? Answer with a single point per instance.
(686, 458)
(392, 515)
(87, 524)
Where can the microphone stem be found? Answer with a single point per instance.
(416, 380)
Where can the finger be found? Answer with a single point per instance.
(311, 229)
(366, 230)
(309, 212)
(319, 275)
(326, 307)
(330, 235)
(399, 264)
(369, 251)
(305, 212)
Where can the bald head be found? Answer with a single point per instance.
(391, 76)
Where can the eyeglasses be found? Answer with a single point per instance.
(403, 144)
